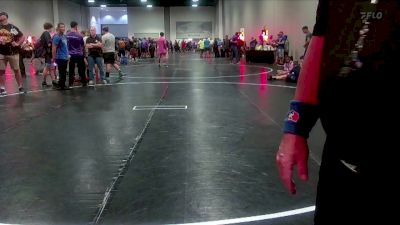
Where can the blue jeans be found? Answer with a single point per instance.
(235, 54)
(92, 60)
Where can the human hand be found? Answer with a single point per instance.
(14, 44)
(293, 150)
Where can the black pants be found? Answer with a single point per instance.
(81, 69)
(22, 65)
(358, 170)
(152, 50)
(339, 189)
(347, 197)
(121, 52)
(62, 71)
(216, 53)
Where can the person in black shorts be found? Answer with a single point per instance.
(109, 58)
(108, 41)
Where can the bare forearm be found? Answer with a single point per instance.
(54, 52)
(308, 84)
(98, 45)
(21, 40)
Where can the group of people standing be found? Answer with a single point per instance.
(137, 48)
(61, 51)
(74, 48)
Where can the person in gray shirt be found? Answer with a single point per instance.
(308, 38)
(108, 40)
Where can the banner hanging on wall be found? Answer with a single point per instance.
(193, 29)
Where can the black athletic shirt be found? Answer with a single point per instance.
(354, 109)
(94, 51)
(340, 21)
(9, 33)
(45, 38)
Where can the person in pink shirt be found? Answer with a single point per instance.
(162, 50)
(183, 46)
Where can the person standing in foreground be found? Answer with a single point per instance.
(354, 42)
(162, 50)
(10, 40)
